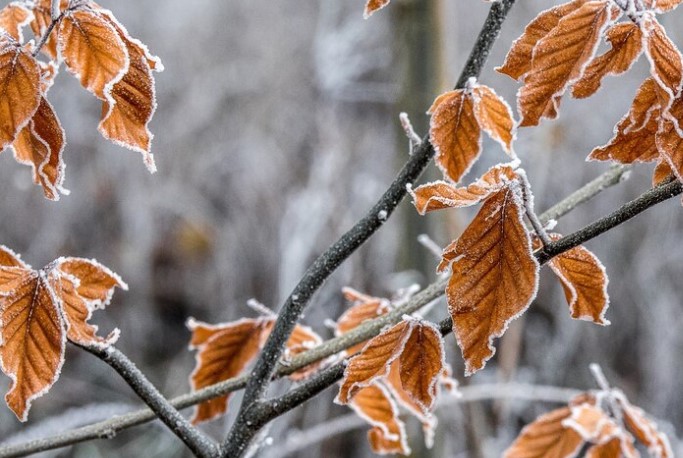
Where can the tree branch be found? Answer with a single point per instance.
(109, 428)
(199, 444)
(241, 433)
(56, 16)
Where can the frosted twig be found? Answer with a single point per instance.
(260, 308)
(109, 428)
(56, 16)
(599, 376)
(433, 247)
(55, 10)
(602, 382)
(529, 206)
(414, 139)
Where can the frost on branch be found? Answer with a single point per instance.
(584, 281)
(225, 351)
(458, 117)
(39, 311)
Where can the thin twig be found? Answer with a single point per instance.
(241, 433)
(56, 16)
(109, 428)
(197, 442)
(529, 207)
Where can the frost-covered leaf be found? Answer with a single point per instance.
(36, 317)
(494, 275)
(560, 57)
(666, 63)
(375, 406)
(455, 133)
(92, 50)
(363, 307)
(662, 172)
(670, 137)
(494, 116)
(626, 39)
(13, 18)
(126, 121)
(635, 136)
(374, 360)
(20, 98)
(645, 430)
(40, 145)
(662, 6)
(518, 60)
(440, 194)
(619, 447)
(584, 281)
(302, 339)
(592, 423)
(373, 5)
(547, 437)
(42, 17)
(84, 285)
(421, 364)
(223, 352)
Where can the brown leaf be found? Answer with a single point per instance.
(547, 437)
(518, 60)
(662, 6)
(635, 136)
(373, 362)
(9, 258)
(32, 335)
(84, 285)
(645, 430)
(362, 308)
(13, 18)
(455, 133)
(670, 137)
(20, 78)
(560, 57)
(626, 39)
(224, 351)
(421, 364)
(440, 194)
(494, 116)
(374, 5)
(302, 339)
(592, 423)
(662, 172)
(584, 281)
(494, 275)
(92, 50)
(40, 145)
(666, 63)
(619, 447)
(126, 121)
(42, 17)
(375, 406)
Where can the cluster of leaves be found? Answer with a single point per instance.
(557, 52)
(494, 273)
(96, 49)
(605, 423)
(39, 311)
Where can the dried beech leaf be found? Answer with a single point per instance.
(547, 437)
(126, 121)
(302, 339)
(13, 18)
(363, 308)
(669, 138)
(619, 447)
(494, 116)
(494, 275)
(20, 78)
(373, 362)
(518, 60)
(645, 430)
(662, 172)
(560, 57)
(9, 258)
(592, 423)
(635, 136)
(626, 39)
(440, 194)
(92, 50)
(665, 59)
(374, 5)
(374, 405)
(455, 133)
(584, 281)
(662, 6)
(84, 285)
(224, 351)
(40, 145)
(33, 339)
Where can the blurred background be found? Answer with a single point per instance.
(277, 129)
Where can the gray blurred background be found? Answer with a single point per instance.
(277, 128)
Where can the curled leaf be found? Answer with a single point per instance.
(545, 437)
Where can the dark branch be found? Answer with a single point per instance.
(199, 444)
(241, 433)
